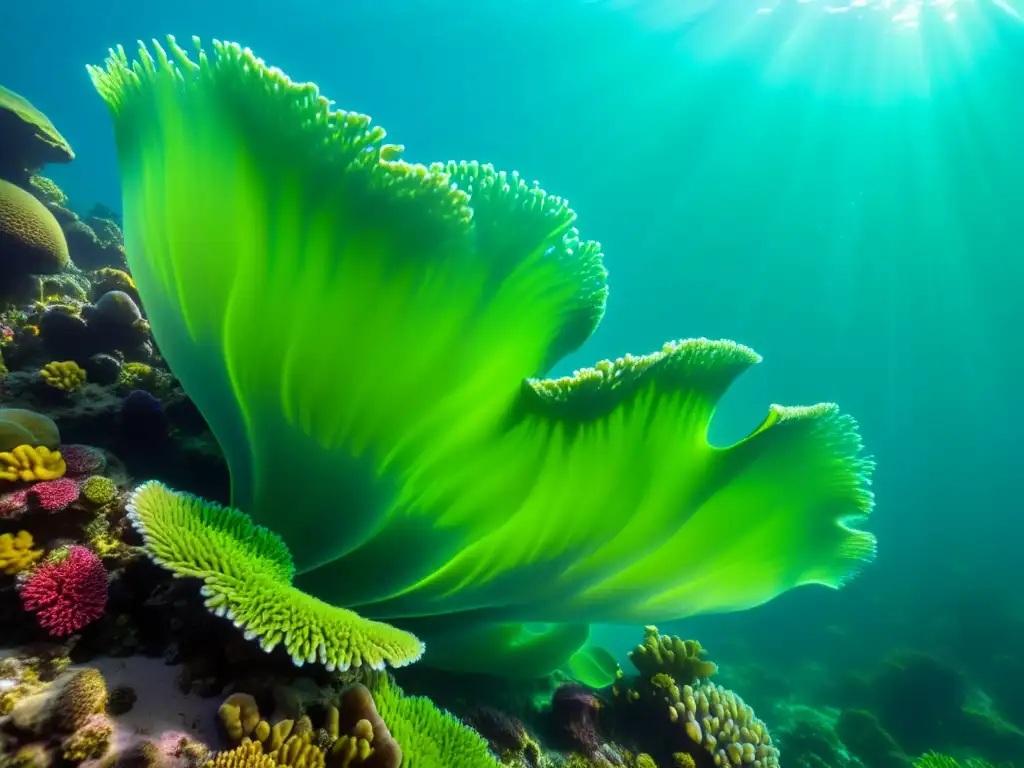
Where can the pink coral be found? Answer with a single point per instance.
(49, 495)
(67, 594)
(53, 495)
(14, 503)
(83, 459)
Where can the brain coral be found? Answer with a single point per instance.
(33, 240)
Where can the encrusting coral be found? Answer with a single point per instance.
(439, 476)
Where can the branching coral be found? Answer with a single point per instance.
(16, 553)
(28, 463)
(66, 376)
(438, 477)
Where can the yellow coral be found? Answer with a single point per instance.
(684, 760)
(239, 715)
(91, 741)
(109, 279)
(248, 754)
(66, 376)
(16, 553)
(85, 695)
(28, 463)
(644, 760)
(297, 752)
(102, 540)
(99, 490)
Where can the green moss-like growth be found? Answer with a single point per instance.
(246, 572)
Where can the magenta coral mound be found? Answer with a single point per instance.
(69, 594)
(48, 495)
(53, 495)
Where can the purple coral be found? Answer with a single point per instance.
(575, 709)
(83, 459)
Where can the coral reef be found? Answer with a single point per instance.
(690, 715)
(355, 482)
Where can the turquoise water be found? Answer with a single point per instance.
(836, 185)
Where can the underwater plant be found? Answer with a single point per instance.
(396, 451)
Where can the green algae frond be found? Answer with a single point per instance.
(397, 436)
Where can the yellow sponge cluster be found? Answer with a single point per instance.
(66, 376)
(683, 660)
(29, 463)
(718, 720)
(16, 553)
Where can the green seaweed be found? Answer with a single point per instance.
(394, 434)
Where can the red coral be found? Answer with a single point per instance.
(54, 495)
(83, 459)
(68, 594)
